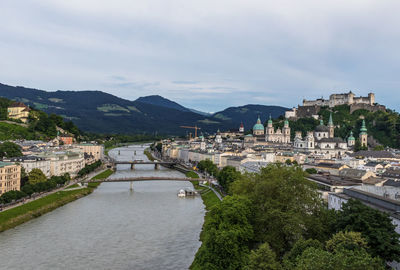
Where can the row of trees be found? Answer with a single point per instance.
(37, 183)
(275, 219)
(89, 168)
(225, 176)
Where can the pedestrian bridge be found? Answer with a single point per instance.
(143, 178)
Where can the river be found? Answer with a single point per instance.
(112, 228)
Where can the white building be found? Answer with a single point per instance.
(64, 162)
(32, 162)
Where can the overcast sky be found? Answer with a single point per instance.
(205, 54)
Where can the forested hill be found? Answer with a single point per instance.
(41, 125)
(99, 112)
(384, 127)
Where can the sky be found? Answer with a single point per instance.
(204, 54)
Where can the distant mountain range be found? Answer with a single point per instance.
(96, 111)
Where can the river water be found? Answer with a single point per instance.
(112, 228)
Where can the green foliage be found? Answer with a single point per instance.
(28, 189)
(89, 168)
(263, 258)
(379, 148)
(36, 176)
(227, 176)
(285, 204)
(375, 226)
(10, 149)
(192, 174)
(343, 251)
(208, 166)
(228, 234)
(289, 260)
(4, 103)
(311, 171)
(16, 132)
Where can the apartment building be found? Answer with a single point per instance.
(10, 177)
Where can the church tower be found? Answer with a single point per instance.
(286, 132)
(241, 128)
(351, 141)
(331, 127)
(363, 135)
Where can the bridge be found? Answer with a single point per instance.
(141, 162)
(144, 178)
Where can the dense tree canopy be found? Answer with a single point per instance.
(284, 202)
(9, 150)
(228, 236)
(226, 176)
(36, 176)
(208, 166)
(375, 226)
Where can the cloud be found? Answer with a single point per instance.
(205, 54)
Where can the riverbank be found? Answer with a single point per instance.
(23, 213)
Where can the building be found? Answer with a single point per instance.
(258, 128)
(64, 162)
(67, 139)
(10, 177)
(322, 141)
(278, 136)
(32, 162)
(241, 128)
(95, 150)
(341, 99)
(19, 111)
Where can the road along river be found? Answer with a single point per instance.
(113, 228)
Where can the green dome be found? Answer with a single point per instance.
(351, 137)
(258, 125)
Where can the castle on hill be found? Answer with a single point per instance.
(311, 108)
(341, 99)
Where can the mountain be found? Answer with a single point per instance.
(163, 102)
(248, 114)
(96, 111)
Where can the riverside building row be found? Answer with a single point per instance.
(52, 161)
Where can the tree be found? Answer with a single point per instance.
(285, 204)
(36, 176)
(10, 149)
(375, 226)
(227, 236)
(227, 176)
(311, 171)
(289, 260)
(344, 251)
(263, 258)
(208, 166)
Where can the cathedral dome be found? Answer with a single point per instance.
(258, 125)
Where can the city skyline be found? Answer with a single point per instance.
(198, 54)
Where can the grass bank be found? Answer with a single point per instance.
(21, 214)
(103, 175)
(148, 154)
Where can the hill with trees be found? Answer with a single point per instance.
(40, 125)
(383, 126)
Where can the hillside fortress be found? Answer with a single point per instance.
(311, 108)
(341, 99)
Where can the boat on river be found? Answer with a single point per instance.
(186, 193)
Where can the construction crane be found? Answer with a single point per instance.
(195, 129)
